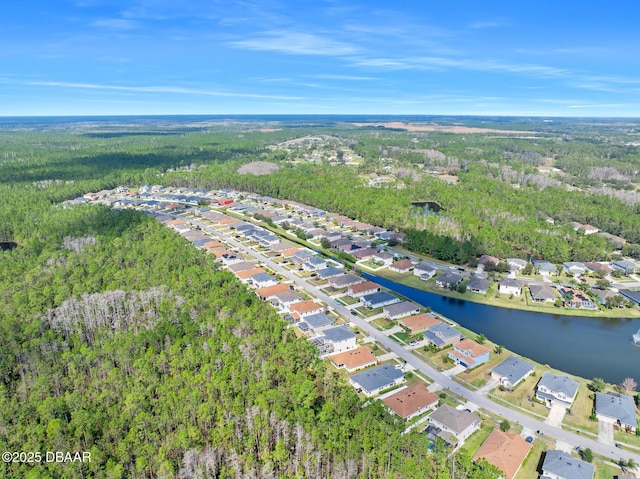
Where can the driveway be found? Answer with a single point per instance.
(556, 415)
(605, 432)
(454, 371)
(491, 384)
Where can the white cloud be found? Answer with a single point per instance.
(296, 43)
(159, 89)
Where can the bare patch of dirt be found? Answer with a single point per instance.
(258, 168)
(445, 129)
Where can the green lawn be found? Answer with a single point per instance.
(529, 468)
(581, 410)
(521, 393)
(606, 471)
(402, 336)
(349, 300)
(473, 442)
(382, 323)
(627, 438)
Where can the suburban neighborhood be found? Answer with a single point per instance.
(456, 386)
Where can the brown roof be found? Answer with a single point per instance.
(366, 286)
(402, 264)
(220, 252)
(354, 358)
(472, 347)
(304, 306)
(213, 244)
(505, 450)
(176, 222)
(410, 400)
(247, 273)
(271, 290)
(290, 252)
(227, 221)
(419, 321)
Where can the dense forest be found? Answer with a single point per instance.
(122, 340)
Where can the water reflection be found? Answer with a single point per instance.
(585, 346)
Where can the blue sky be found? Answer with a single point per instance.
(547, 58)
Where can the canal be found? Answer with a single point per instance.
(587, 347)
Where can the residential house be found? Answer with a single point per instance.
(284, 299)
(442, 334)
(485, 259)
(262, 280)
(302, 256)
(542, 294)
(603, 295)
(402, 266)
(478, 285)
(556, 390)
(626, 266)
(314, 263)
(575, 268)
(355, 359)
(509, 286)
(345, 280)
(271, 291)
(246, 274)
(617, 409)
(241, 266)
(424, 271)
(330, 272)
(449, 280)
(363, 289)
(469, 354)
(411, 401)
(598, 268)
(317, 323)
(616, 241)
(400, 310)
(516, 264)
(512, 371)
(575, 298)
(382, 258)
(378, 300)
(453, 425)
(363, 254)
(631, 295)
(418, 323)
(561, 465)
(305, 308)
(545, 268)
(505, 450)
(372, 381)
(335, 340)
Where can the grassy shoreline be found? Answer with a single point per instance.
(521, 303)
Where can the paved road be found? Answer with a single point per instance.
(512, 416)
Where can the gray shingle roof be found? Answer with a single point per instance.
(378, 377)
(318, 320)
(559, 384)
(617, 406)
(405, 307)
(339, 333)
(563, 465)
(454, 419)
(513, 369)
